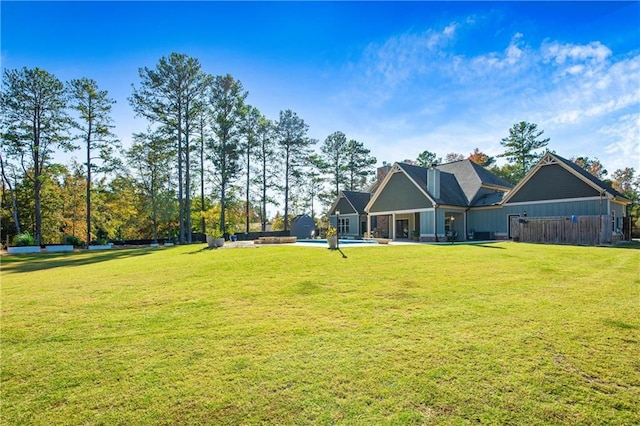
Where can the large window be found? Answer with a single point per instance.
(343, 225)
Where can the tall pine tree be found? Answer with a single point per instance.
(34, 123)
(94, 126)
(294, 147)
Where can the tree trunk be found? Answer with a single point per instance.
(202, 208)
(187, 182)
(154, 209)
(286, 191)
(14, 199)
(181, 238)
(36, 179)
(89, 184)
(264, 192)
(248, 183)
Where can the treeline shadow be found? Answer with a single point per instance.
(40, 262)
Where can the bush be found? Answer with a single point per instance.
(24, 239)
(72, 240)
(100, 241)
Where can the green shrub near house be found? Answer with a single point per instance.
(499, 333)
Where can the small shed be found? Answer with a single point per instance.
(302, 226)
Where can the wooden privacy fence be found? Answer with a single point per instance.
(582, 230)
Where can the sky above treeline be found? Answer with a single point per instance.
(401, 77)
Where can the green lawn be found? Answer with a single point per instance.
(500, 333)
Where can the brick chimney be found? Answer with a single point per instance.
(383, 172)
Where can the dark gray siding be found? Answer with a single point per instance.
(343, 207)
(553, 182)
(400, 194)
(496, 219)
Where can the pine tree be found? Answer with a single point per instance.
(94, 126)
(170, 95)
(227, 104)
(521, 146)
(34, 123)
(294, 146)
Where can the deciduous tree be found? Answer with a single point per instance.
(480, 158)
(452, 157)
(593, 166)
(150, 156)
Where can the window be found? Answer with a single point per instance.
(343, 226)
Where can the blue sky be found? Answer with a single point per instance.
(401, 77)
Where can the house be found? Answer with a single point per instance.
(302, 226)
(347, 213)
(434, 202)
(557, 187)
(462, 200)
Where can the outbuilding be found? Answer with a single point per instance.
(302, 226)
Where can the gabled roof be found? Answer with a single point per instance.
(586, 177)
(300, 217)
(450, 191)
(460, 182)
(357, 199)
(472, 177)
(415, 174)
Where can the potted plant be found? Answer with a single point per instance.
(332, 238)
(416, 235)
(24, 243)
(215, 238)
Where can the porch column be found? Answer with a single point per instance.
(435, 221)
(369, 226)
(464, 216)
(393, 227)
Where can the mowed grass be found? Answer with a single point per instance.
(501, 333)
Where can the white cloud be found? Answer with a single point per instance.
(561, 53)
(625, 145)
(428, 93)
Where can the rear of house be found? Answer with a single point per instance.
(463, 201)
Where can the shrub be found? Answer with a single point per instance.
(72, 240)
(100, 241)
(24, 239)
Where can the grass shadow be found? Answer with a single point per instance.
(205, 248)
(633, 245)
(486, 245)
(40, 262)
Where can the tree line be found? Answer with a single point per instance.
(207, 161)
